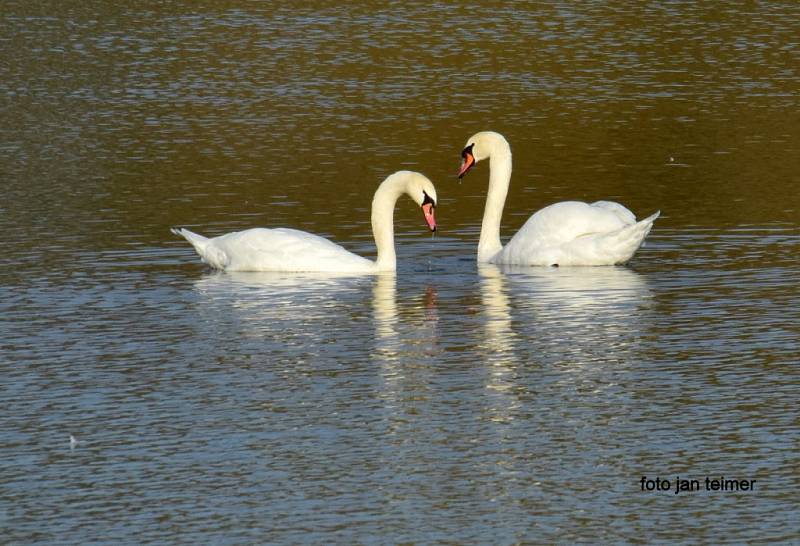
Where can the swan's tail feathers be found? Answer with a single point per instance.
(198, 241)
(652, 218)
(211, 255)
(643, 227)
(628, 240)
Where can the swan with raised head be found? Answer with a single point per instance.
(291, 250)
(566, 233)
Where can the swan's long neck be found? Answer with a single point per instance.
(499, 178)
(383, 221)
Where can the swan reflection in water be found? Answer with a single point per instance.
(272, 294)
(384, 310)
(267, 300)
(563, 325)
(499, 345)
(300, 326)
(406, 340)
(580, 315)
(291, 316)
(580, 290)
(418, 327)
(313, 309)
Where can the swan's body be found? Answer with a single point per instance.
(278, 249)
(566, 233)
(291, 250)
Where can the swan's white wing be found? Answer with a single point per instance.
(622, 213)
(576, 233)
(284, 249)
(563, 222)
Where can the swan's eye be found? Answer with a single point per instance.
(467, 151)
(426, 199)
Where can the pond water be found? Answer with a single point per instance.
(444, 403)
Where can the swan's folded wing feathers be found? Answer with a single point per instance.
(286, 249)
(618, 210)
(566, 232)
(566, 221)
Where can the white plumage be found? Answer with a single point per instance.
(291, 250)
(566, 233)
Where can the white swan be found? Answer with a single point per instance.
(290, 250)
(566, 233)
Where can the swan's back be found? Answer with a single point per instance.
(566, 221)
(577, 233)
(279, 249)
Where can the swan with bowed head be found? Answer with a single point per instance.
(566, 233)
(291, 250)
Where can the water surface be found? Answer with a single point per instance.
(448, 402)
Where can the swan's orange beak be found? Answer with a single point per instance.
(430, 218)
(466, 164)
